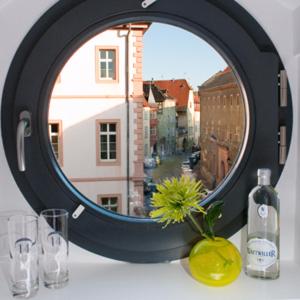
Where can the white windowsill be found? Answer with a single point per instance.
(112, 280)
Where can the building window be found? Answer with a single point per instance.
(146, 132)
(110, 202)
(153, 115)
(108, 142)
(106, 64)
(146, 115)
(153, 130)
(55, 136)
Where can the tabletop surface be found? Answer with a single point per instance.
(111, 280)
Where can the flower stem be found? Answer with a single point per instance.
(197, 225)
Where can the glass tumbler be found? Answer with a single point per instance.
(55, 250)
(23, 253)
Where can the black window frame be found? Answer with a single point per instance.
(41, 55)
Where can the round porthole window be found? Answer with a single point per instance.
(102, 102)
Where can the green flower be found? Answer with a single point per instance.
(177, 199)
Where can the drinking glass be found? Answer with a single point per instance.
(23, 253)
(4, 247)
(55, 250)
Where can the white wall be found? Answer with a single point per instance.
(277, 17)
(78, 78)
(79, 137)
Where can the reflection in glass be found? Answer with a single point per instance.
(174, 107)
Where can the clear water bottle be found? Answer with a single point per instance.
(262, 260)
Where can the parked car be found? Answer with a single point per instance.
(149, 162)
(157, 158)
(149, 185)
(149, 189)
(196, 154)
(186, 165)
(194, 158)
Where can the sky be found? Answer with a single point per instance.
(174, 53)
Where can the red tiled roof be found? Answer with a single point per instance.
(220, 78)
(176, 88)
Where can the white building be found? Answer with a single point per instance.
(181, 90)
(98, 147)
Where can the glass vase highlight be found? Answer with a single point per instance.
(215, 262)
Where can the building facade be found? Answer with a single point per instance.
(180, 90)
(165, 126)
(222, 125)
(197, 114)
(96, 118)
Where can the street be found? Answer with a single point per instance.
(169, 167)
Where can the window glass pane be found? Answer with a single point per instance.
(114, 200)
(113, 147)
(103, 147)
(103, 73)
(115, 208)
(103, 127)
(113, 155)
(162, 136)
(112, 138)
(104, 201)
(54, 139)
(112, 127)
(102, 54)
(111, 54)
(103, 65)
(104, 155)
(103, 138)
(111, 74)
(54, 127)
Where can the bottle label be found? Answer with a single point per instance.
(263, 211)
(261, 253)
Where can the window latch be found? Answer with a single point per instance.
(147, 3)
(23, 130)
(78, 211)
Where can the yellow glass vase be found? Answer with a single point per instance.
(215, 262)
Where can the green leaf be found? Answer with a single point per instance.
(213, 213)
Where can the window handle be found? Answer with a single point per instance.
(23, 130)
